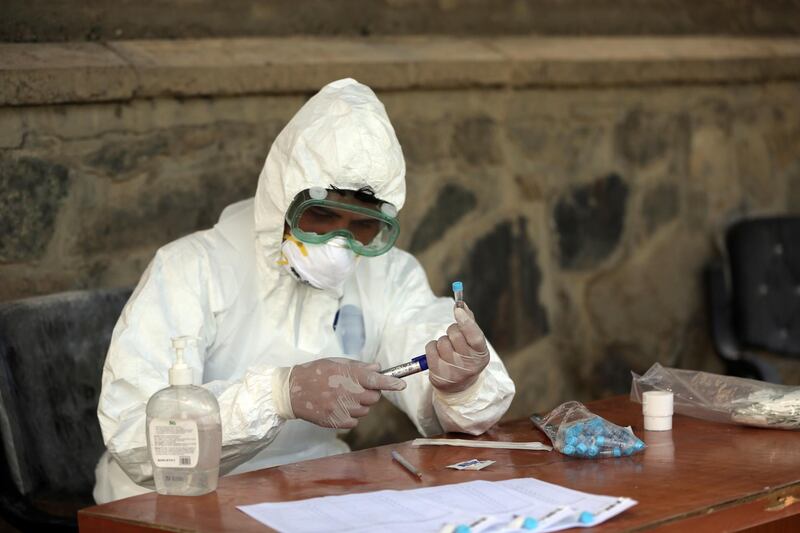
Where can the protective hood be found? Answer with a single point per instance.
(341, 137)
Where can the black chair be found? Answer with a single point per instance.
(52, 350)
(755, 296)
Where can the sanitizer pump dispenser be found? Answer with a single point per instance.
(184, 434)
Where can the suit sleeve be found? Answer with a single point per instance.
(177, 296)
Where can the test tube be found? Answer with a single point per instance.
(458, 293)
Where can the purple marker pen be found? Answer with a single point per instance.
(417, 364)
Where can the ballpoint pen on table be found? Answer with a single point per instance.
(405, 464)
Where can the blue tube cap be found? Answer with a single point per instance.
(458, 286)
(422, 360)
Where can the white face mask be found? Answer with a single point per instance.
(324, 266)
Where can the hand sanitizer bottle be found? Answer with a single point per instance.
(184, 434)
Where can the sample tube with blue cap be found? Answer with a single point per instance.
(523, 522)
(458, 293)
(420, 362)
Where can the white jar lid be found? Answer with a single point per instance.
(657, 403)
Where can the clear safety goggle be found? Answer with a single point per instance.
(318, 215)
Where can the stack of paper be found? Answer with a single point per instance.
(491, 506)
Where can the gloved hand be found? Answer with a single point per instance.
(456, 359)
(334, 392)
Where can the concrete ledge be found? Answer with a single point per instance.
(598, 61)
(64, 72)
(276, 65)
(37, 74)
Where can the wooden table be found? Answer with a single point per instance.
(701, 476)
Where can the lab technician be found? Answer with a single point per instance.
(297, 298)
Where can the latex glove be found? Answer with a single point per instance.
(335, 392)
(456, 360)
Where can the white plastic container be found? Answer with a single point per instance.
(184, 433)
(657, 410)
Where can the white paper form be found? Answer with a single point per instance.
(351, 512)
(429, 508)
(576, 502)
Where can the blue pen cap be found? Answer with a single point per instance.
(422, 360)
(458, 286)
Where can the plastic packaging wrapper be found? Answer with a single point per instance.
(723, 398)
(574, 430)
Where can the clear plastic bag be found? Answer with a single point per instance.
(723, 398)
(576, 431)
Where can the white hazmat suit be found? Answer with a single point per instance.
(225, 286)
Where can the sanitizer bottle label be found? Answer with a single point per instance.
(174, 443)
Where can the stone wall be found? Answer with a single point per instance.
(93, 20)
(578, 199)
